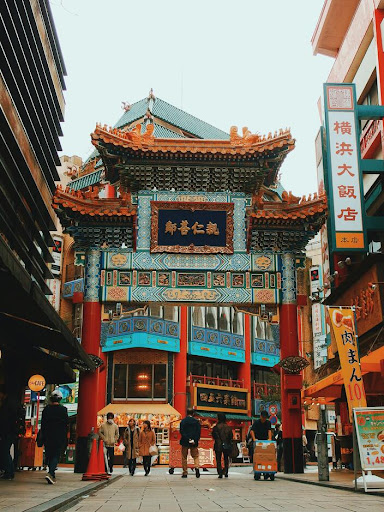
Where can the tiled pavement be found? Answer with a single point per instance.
(170, 493)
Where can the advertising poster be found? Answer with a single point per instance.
(343, 329)
(369, 423)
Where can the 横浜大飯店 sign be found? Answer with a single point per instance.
(182, 227)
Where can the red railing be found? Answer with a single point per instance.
(215, 381)
(262, 390)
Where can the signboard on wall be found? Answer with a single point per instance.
(181, 227)
(54, 299)
(206, 397)
(344, 183)
(57, 255)
(369, 423)
(344, 331)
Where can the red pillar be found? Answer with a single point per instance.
(92, 385)
(180, 370)
(290, 388)
(110, 191)
(245, 368)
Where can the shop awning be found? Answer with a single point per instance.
(241, 417)
(330, 386)
(139, 408)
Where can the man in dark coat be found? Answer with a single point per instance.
(54, 422)
(190, 435)
(223, 435)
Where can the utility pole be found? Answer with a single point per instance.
(322, 448)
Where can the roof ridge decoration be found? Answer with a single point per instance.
(89, 204)
(237, 144)
(291, 207)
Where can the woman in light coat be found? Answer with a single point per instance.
(131, 443)
(146, 439)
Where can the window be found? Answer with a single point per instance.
(237, 322)
(171, 313)
(120, 381)
(140, 381)
(198, 316)
(262, 329)
(156, 311)
(225, 319)
(211, 318)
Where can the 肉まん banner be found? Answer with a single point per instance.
(344, 176)
(369, 423)
(343, 329)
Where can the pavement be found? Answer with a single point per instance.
(159, 491)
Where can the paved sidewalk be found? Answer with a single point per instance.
(239, 493)
(29, 489)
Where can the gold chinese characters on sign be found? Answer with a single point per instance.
(192, 227)
(197, 229)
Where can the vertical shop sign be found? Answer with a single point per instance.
(57, 255)
(344, 176)
(369, 423)
(344, 331)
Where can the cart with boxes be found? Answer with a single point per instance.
(264, 460)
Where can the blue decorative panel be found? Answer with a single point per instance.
(216, 352)
(263, 359)
(143, 324)
(273, 409)
(72, 287)
(141, 340)
(213, 337)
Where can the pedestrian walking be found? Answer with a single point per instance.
(54, 423)
(305, 448)
(249, 442)
(223, 435)
(261, 429)
(190, 430)
(109, 433)
(131, 443)
(147, 439)
(9, 415)
(278, 437)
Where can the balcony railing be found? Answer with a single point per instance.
(215, 381)
(262, 390)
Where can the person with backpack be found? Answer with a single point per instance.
(131, 443)
(223, 436)
(190, 430)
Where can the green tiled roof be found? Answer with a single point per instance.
(174, 116)
(85, 181)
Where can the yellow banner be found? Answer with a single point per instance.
(343, 328)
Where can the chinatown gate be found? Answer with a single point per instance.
(188, 222)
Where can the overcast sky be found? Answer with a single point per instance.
(245, 63)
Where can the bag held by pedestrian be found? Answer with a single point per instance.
(153, 450)
(40, 439)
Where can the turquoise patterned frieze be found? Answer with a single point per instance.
(151, 293)
(214, 337)
(141, 340)
(216, 351)
(121, 259)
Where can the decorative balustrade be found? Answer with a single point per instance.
(263, 390)
(215, 381)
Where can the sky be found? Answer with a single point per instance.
(244, 63)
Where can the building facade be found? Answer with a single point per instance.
(33, 337)
(351, 33)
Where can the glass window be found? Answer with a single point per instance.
(171, 313)
(237, 322)
(225, 319)
(160, 381)
(198, 316)
(120, 381)
(211, 318)
(156, 311)
(259, 328)
(140, 381)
